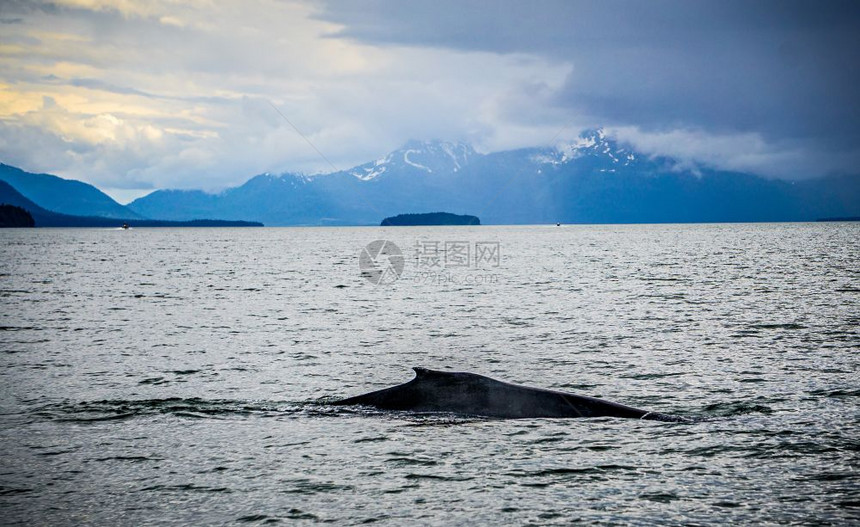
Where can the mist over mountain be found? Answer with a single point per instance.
(591, 180)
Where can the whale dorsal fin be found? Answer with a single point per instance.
(423, 373)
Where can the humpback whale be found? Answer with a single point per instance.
(471, 394)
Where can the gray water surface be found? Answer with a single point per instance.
(179, 376)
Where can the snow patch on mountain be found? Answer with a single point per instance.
(449, 149)
(426, 156)
(593, 143)
(416, 165)
(287, 179)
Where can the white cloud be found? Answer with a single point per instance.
(164, 94)
(743, 152)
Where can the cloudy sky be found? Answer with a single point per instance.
(133, 96)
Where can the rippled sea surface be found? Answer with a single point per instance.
(180, 376)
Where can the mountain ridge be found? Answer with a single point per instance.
(64, 196)
(592, 179)
(46, 218)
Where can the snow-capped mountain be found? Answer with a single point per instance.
(593, 179)
(420, 156)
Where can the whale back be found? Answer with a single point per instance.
(472, 394)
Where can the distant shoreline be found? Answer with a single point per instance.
(553, 225)
(94, 222)
(847, 218)
(488, 225)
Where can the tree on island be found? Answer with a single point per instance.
(12, 216)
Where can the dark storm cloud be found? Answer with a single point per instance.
(785, 69)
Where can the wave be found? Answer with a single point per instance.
(198, 408)
(194, 407)
(735, 408)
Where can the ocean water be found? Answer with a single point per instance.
(180, 376)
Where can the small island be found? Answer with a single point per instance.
(430, 218)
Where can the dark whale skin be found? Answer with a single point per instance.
(471, 394)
